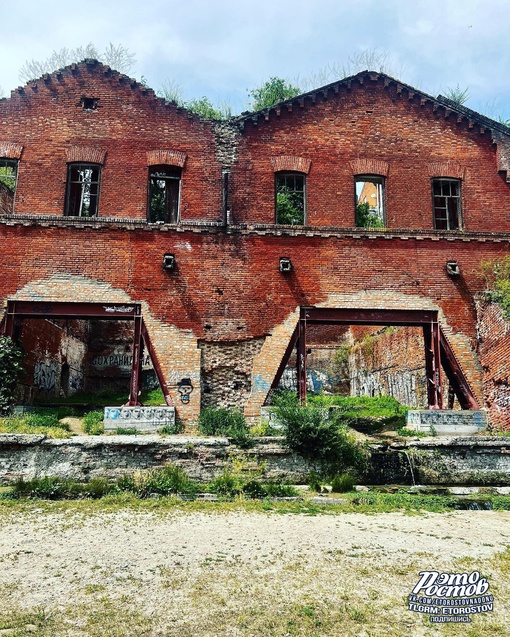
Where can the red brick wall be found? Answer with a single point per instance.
(226, 288)
(47, 119)
(374, 123)
(494, 333)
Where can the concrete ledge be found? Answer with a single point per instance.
(446, 422)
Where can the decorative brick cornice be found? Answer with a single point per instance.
(446, 169)
(370, 167)
(166, 158)
(288, 162)
(88, 154)
(10, 150)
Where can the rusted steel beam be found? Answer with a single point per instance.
(285, 359)
(155, 363)
(453, 371)
(134, 385)
(301, 360)
(58, 309)
(327, 316)
(433, 366)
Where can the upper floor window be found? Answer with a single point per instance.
(369, 200)
(8, 178)
(82, 197)
(446, 202)
(290, 198)
(164, 194)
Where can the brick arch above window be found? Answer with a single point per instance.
(446, 169)
(287, 163)
(85, 154)
(370, 167)
(10, 150)
(163, 157)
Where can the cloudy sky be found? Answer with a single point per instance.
(222, 48)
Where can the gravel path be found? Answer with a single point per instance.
(57, 560)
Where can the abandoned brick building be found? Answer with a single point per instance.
(219, 244)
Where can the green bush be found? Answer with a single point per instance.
(218, 421)
(11, 368)
(342, 483)
(93, 422)
(317, 434)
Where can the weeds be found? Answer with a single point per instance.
(317, 434)
(93, 422)
(218, 421)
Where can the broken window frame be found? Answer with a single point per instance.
(367, 216)
(290, 198)
(83, 183)
(9, 181)
(169, 186)
(447, 207)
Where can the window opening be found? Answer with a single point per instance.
(290, 198)
(369, 199)
(89, 103)
(446, 197)
(83, 190)
(8, 179)
(164, 194)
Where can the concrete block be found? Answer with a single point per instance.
(143, 419)
(446, 422)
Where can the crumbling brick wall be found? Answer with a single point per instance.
(494, 337)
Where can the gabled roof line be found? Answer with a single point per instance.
(473, 116)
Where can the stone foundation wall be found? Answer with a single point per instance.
(459, 461)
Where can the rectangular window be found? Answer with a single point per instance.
(369, 200)
(8, 179)
(164, 194)
(446, 201)
(82, 190)
(290, 198)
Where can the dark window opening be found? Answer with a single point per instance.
(369, 200)
(446, 199)
(82, 190)
(290, 198)
(89, 103)
(164, 194)
(8, 179)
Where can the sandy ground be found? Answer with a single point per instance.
(176, 569)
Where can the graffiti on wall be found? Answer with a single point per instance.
(185, 388)
(45, 375)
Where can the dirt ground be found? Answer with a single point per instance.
(239, 573)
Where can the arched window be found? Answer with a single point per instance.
(290, 198)
(8, 179)
(369, 201)
(164, 194)
(82, 197)
(446, 203)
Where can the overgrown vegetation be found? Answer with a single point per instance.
(272, 92)
(45, 421)
(219, 421)
(236, 480)
(93, 422)
(497, 280)
(319, 434)
(366, 413)
(289, 207)
(11, 369)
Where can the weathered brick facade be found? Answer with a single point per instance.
(226, 298)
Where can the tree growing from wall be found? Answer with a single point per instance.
(117, 56)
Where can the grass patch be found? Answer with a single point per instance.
(218, 421)
(40, 421)
(93, 422)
